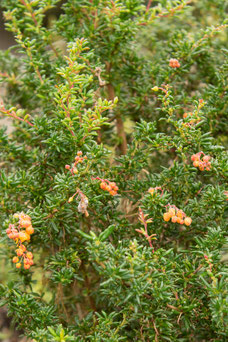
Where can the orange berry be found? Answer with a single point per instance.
(26, 261)
(181, 221)
(26, 266)
(23, 236)
(25, 223)
(172, 211)
(201, 166)
(174, 219)
(79, 153)
(29, 255)
(185, 115)
(178, 220)
(206, 159)
(180, 213)
(23, 248)
(15, 259)
(19, 252)
(30, 230)
(18, 265)
(112, 184)
(113, 192)
(151, 191)
(108, 188)
(166, 217)
(67, 167)
(115, 188)
(187, 221)
(196, 163)
(103, 185)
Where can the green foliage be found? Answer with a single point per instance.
(98, 81)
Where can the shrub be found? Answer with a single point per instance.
(113, 180)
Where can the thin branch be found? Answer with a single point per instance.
(13, 114)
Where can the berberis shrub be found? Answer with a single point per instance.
(113, 194)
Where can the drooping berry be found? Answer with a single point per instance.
(166, 217)
(172, 211)
(196, 163)
(174, 219)
(108, 188)
(23, 236)
(180, 214)
(29, 255)
(187, 221)
(26, 266)
(25, 223)
(15, 259)
(19, 252)
(30, 230)
(103, 185)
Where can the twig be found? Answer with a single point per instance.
(13, 114)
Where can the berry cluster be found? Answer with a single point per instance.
(78, 160)
(20, 232)
(177, 216)
(202, 164)
(111, 187)
(174, 63)
(192, 121)
(106, 185)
